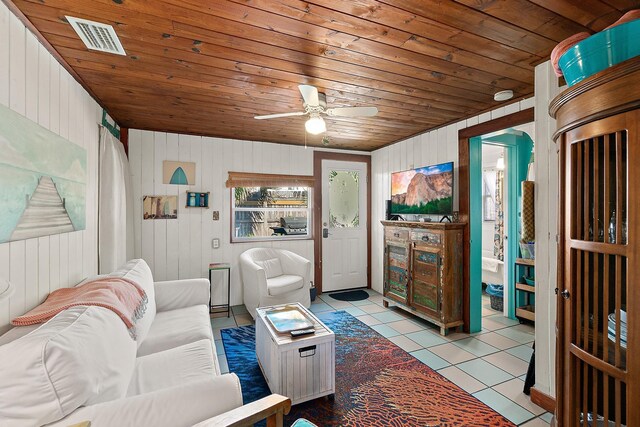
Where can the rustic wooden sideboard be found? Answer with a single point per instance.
(423, 270)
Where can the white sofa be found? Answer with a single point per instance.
(274, 276)
(83, 365)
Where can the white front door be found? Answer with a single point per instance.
(344, 227)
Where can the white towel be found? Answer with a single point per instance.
(491, 264)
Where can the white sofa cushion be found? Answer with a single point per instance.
(284, 284)
(272, 267)
(173, 294)
(169, 368)
(180, 406)
(82, 356)
(174, 328)
(138, 271)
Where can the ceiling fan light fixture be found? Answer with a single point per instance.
(315, 125)
(503, 95)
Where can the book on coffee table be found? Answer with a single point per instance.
(287, 319)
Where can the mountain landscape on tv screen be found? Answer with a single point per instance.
(426, 194)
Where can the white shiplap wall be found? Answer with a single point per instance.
(34, 84)
(181, 248)
(437, 146)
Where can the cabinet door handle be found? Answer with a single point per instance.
(565, 294)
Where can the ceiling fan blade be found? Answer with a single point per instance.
(310, 95)
(352, 111)
(275, 116)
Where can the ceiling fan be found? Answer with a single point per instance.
(315, 104)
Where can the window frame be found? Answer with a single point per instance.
(286, 237)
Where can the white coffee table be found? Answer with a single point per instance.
(300, 368)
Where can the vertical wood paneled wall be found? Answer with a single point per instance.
(437, 146)
(546, 212)
(181, 248)
(34, 84)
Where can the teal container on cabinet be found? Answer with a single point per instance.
(600, 51)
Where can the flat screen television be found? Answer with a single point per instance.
(423, 191)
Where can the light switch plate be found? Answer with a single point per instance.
(216, 215)
(215, 243)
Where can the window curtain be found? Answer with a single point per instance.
(115, 205)
(498, 236)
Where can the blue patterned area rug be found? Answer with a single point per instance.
(377, 383)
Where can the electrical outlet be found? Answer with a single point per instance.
(216, 215)
(215, 243)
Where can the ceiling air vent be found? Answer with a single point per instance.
(97, 36)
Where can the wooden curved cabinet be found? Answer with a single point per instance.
(423, 270)
(598, 366)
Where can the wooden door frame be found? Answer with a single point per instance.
(318, 157)
(515, 119)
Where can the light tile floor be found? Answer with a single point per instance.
(491, 364)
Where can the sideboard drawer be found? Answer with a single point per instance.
(427, 237)
(396, 234)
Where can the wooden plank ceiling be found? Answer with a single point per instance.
(207, 67)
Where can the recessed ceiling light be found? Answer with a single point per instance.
(503, 95)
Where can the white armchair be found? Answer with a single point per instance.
(274, 276)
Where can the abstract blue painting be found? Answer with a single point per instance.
(42, 180)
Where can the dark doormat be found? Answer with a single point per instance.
(357, 295)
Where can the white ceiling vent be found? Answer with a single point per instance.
(97, 36)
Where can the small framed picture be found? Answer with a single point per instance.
(160, 207)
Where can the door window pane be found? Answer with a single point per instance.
(344, 199)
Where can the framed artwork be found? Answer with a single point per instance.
(178, 173)
(160, 207)
(43, 180)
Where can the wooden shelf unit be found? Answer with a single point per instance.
(423, 270)
(598, 137)
(524, 266)
(526, 312)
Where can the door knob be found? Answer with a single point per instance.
(325, 233)
(565, 294)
